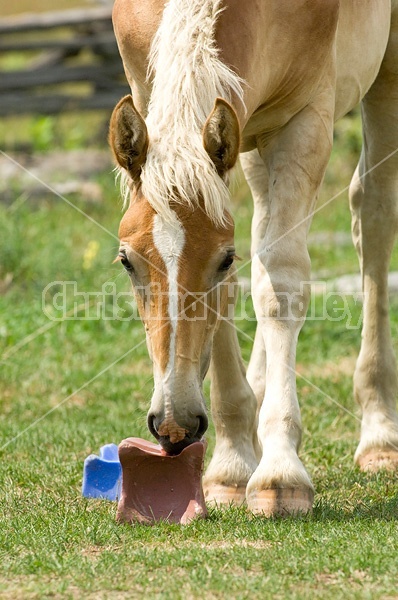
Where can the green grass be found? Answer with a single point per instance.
(93, 378)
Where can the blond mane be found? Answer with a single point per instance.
(187, 76)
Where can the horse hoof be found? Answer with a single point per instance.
(225, 495)
(281, 502)
(377, 460)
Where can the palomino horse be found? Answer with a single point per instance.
(210, 79)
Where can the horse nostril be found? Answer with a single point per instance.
(203, 424)
(153, 425)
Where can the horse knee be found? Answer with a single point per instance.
(281, 293)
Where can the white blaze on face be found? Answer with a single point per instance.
(169, 239)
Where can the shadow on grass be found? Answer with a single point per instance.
(324, 511)
(367, 509)
(356, 497)
(354, 494)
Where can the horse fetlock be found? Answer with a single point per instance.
(376, 375)
(378, 447)
(281, 472)
(229, 471)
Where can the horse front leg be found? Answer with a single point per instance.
(257, 178)
(296, 163)
(234, 409)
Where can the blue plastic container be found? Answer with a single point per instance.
(102, 475)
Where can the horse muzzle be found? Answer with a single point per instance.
(175, 435)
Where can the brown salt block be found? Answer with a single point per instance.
(157, 486)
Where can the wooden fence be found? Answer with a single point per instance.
(69, 61)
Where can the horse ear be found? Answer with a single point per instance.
(221, 136)
(128, 137)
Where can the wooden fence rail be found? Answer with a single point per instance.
(71, 62)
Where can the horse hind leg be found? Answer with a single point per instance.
(374, 208)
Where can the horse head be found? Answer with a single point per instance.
(181, 265)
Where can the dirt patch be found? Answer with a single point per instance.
(228, 545)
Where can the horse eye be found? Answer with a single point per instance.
(227, 262)
(126, 264)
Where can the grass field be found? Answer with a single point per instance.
(67, 387)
